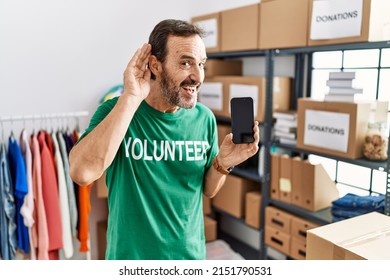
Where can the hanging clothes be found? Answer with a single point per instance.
(8, 235)
(34, 177)
(49, 145)
(50, 195)
(3, 219)
(64, 200)
(69, 183)
(85, 209)
(39, 230)
(18, 175)
(84, 202)
(28, 205)
(69, 142)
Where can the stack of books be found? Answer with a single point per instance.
(285, 128)
(342, 87)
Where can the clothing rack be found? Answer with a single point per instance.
(44, 116)
(49, 116)
(34, 117)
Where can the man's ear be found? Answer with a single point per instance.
(154, 66)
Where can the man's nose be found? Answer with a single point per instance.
(197, 74)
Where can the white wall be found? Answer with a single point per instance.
(62, 56)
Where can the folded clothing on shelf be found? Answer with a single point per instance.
(352, 205)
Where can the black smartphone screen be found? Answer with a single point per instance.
(242, 117)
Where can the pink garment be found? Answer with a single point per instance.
(50, 196)
(27, 208)
(40, 233)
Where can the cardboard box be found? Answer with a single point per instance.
(216, 93)
(211, 24)
(277, 239)
(206, 205)
(231, 197)
(252, 209)
(255, 87)
(210, 228)
(102, 241)
(362, 237)
(282, 28)
(374, 25)
(222, 67)
(285, 179)
(334, 128)
(240, 28)
(297, 249)
(213, 94)
(278, 219)
(275, 175)
(101, 187)
(299, 228)
(223, 130)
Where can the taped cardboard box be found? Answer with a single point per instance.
(336, 22)
(362, 237)
(240, 28)
(334, 128)
(231, 197)
(283, 24)
(211, 24)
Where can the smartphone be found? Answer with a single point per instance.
(242, 118)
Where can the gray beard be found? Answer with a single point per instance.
(172, 94)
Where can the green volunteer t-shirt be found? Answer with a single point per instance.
(155, 183)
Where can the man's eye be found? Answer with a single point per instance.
(186, 64)
(201, 65)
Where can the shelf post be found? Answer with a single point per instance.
(267, 147)
(298, 89)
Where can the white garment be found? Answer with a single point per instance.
(27, 208)
(69, 183)
(64, 202)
